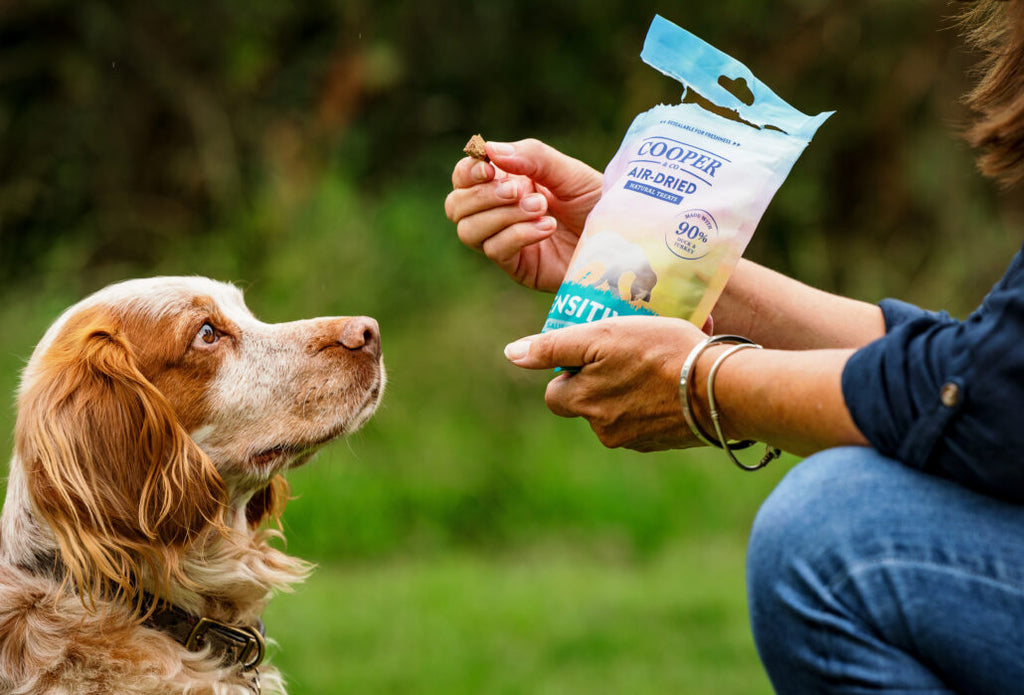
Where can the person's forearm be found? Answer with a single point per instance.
(790, 399)
(779, 312)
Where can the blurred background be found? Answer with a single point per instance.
(468, 541)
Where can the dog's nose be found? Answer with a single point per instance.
(361, 333)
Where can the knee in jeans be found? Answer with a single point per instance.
(806, 514)
(783, 516)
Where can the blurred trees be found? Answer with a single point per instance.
(125, 127)
(126, 123)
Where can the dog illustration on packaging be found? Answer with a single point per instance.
(606, 258)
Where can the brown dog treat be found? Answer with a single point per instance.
(475, 148)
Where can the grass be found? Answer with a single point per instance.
(552, 620)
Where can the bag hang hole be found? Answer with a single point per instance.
(692, 96)
(724, 81)
(738, 87)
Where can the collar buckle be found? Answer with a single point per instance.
(241, 645)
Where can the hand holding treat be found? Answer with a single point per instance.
(524, 209)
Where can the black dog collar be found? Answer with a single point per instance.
(237, 645)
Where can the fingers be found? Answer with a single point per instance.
(561, 396)
(492, 209)
(505, 246)
(469, 172)
(572, 346)
(543, 164)
(530, 157)
(467, 195)
(569, 394)
(463, 202)
(547, 351)
(626, 385)
(534, 167)
(518, 352)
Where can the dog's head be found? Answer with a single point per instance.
(153, 407)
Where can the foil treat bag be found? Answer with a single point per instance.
(685, 190)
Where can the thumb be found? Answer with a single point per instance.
(543, 164)
(547, 351)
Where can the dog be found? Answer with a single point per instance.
(155, 420)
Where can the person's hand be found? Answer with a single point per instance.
(627, 386)
(525, 210)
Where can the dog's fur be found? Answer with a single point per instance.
(154, 421)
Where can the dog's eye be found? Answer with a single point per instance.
(207, 335)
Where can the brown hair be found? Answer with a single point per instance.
(996, 27)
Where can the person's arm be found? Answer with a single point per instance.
(935, 393)
(945, 396)
(789, 399)
(780, 312)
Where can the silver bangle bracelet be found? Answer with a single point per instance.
(685, 400)
(771, 453)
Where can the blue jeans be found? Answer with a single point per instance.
(866, 576)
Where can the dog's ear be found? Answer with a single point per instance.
(268, 503)
(110, 470)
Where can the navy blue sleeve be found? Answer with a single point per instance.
(947, 396)
(896, 312)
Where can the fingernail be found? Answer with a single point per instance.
(517, 350)
(545, 224)
(479, 172)
(533, 203)
(507, 189)
(502, 149)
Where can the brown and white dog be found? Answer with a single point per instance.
(155, 419)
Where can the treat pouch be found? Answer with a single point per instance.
(685, 190)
